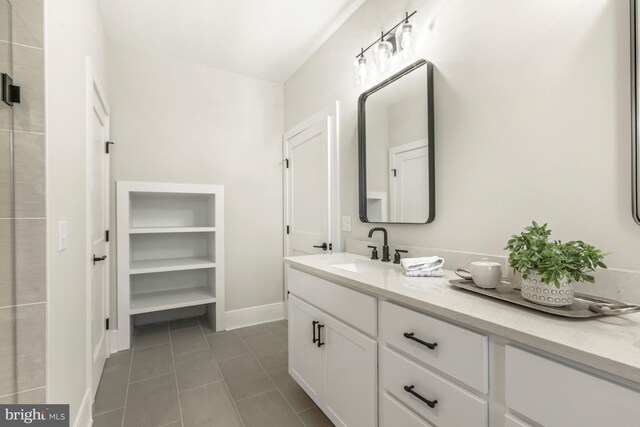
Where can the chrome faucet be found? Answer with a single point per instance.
(385, 246)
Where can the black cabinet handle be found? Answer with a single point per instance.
(322, 246)
(429, 345)
(315, 322)
(98, 258)
(430, 403)
(320, 343)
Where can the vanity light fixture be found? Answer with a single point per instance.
(400, 38)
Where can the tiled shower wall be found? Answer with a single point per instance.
(22, 209)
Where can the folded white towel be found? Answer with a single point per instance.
(424, 273)
(424, 263)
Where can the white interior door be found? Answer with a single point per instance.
(99, 224)
(409, 182)
(311, 187)
(308, 188)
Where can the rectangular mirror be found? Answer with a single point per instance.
(635, 147)
(396, 148)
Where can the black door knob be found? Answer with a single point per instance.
(98, 258)
(322, 246)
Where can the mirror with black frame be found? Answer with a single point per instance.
(396, 148)
(635, 109)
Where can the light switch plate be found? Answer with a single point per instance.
(346, 223)
(63, 235)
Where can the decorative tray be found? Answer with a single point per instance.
(583, 307)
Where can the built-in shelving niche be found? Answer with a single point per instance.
(170, 253)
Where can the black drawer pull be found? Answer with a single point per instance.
(429, 345)
(430, 403)
(315, 340)
(320, 343)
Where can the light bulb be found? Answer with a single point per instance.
(406, 39)
(382, 52)
(361, 70)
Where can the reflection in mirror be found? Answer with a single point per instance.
(395, 133)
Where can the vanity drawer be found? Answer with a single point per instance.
(557, 395)
(352, 307)
(460, 353)
(456, 407)
(511, 421)
(393, 414)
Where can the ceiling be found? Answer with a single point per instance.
(266, 39)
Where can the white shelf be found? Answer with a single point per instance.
(174, 264)
(159, 230)
(166, 300)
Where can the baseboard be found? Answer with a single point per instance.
(84, 418)
(113, 341)
(254, 315)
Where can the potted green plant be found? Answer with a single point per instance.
(549, 268)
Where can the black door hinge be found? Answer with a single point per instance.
(107, 145)
(10, 93)
(107, 323)
(394, 172)
(106, 235)
(287, 229)
(286, 163)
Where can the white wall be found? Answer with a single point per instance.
(73, 31)
(531, 121)
(175, 121)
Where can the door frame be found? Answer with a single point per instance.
(332, 114)
(93, 86)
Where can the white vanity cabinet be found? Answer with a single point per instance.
(332, 361)
(378, 361)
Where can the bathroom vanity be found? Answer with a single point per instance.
(373, 347)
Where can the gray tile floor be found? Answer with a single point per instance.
(183, 373)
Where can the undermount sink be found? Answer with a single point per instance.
(363, 266)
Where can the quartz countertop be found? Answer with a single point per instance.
(608, 343)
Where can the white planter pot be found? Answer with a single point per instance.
(535, 291)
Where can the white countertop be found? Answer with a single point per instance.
(608, 343)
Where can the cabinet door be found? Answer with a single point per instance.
(305, 358)
(350, 362)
